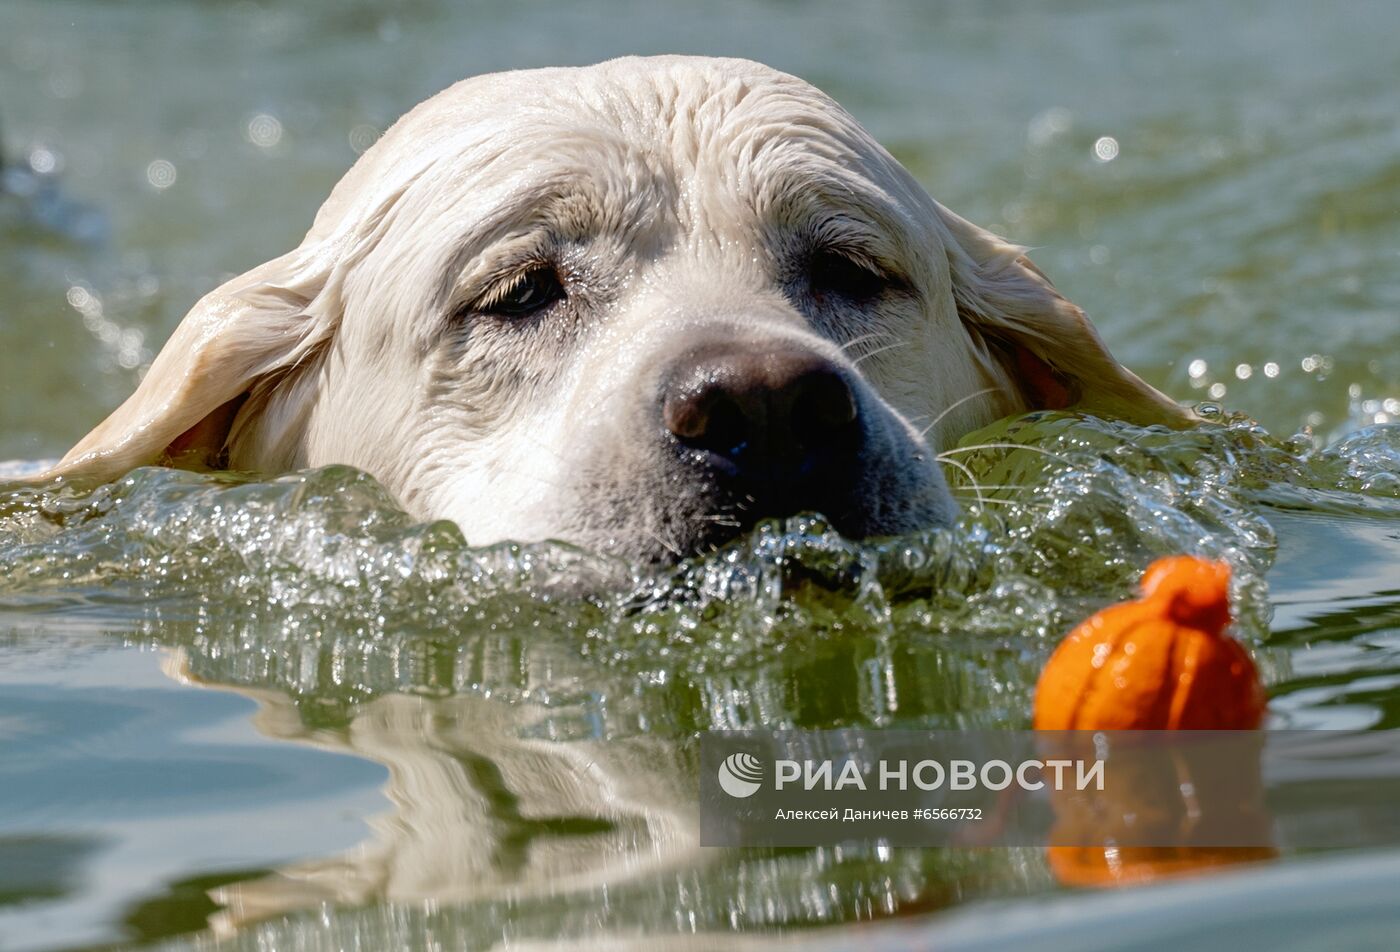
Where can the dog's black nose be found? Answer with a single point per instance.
(779, 427)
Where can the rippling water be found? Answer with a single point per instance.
(207, 681)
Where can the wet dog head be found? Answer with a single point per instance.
(637, 306)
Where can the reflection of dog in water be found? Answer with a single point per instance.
(483, 808)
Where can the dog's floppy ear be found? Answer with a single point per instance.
(1042, 342)
(239, 338)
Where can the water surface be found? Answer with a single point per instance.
(356, 731)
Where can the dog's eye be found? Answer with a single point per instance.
(530, 292)
(830, 272)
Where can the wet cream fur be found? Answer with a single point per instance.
(676, 195)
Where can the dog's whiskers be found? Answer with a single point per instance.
(1009, 487)
(1005, 446)
(953, 406)
(972, 479)
(722, 520)
(879, 350)
(1019, 503)
(659, 540)
(857, 341)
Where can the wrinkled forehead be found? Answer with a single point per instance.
(622, 138)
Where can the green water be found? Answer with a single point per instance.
(358, 731)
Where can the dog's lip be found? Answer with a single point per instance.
(725, 471)
(720, 466)
(751, 501)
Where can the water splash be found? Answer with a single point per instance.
(321, 576)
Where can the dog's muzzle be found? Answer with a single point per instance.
(776, 430)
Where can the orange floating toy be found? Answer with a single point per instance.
(1162, 662)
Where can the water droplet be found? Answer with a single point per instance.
(1106, 149)
(43, 161)
(362, 137)
(264, 130)
(161, 174)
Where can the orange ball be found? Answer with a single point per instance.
(1162, 662)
